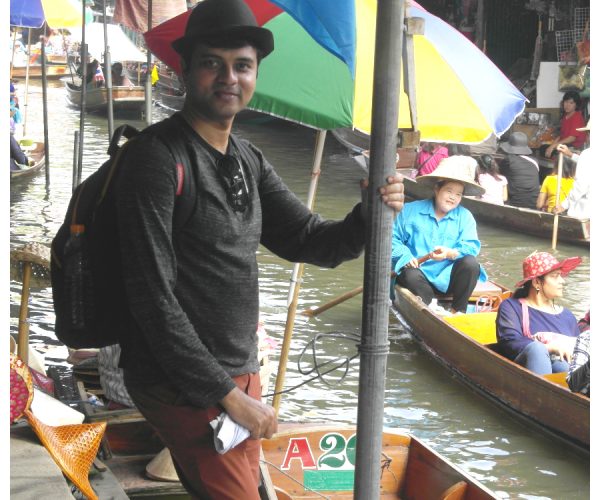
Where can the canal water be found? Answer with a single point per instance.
(423, 398)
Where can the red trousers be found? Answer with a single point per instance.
(185, 430)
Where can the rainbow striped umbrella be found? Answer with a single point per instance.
(321, 72)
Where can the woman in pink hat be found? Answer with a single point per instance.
(531, 329)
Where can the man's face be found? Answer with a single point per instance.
(220, 82)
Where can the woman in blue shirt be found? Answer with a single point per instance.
(531, 329)
(441, 224)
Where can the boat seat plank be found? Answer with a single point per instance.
(481, 327)
(456, 492)
(482, 288)
(559, 378)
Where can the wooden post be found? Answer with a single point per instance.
(23, 336)
(558, 182)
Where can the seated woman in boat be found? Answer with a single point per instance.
(429, 157)
(119, 76)
(521, 171)
(571, 121)
(532, 330)
(16, 155)
(440, 223)
(547, 198)
(488, 177)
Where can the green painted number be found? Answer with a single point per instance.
(351, 450)
(337, 450)
(333, 445)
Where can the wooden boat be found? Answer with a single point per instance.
(34, 151)
(466, 344)
(525, 220)
(53, 71)
(170, 100)
(126, 100)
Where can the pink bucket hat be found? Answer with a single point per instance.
(540, 263)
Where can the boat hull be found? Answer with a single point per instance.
(552, 407)
(37, 154)
(53, 71)
(126, 100)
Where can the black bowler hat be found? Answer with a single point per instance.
(229, 18)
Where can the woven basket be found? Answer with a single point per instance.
(21, 387)
(73, 448)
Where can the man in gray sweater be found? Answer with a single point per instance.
(190, 348)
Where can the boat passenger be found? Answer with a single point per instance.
(488, 176)
(119, 76)
(532, 330)
(521, 171)
(547, 198)
(570, 124)
(429, 157)
(189, 346)
(577, 203)
(16, 155)
(440, 223)
(578, 377)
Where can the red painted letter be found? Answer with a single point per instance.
(300, 449)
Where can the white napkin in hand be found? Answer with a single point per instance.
(228, 434)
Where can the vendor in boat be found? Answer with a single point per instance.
(189, 345)
(440, 223)
(571, 125)
(17, 157)
(521, 171)
(532, 330)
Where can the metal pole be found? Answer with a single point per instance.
(83, 101)
(296, 279)
(45, 107)
(108, 64)
(148, 87)
(75, 159)
(374, 345)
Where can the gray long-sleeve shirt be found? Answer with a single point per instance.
(193, 296)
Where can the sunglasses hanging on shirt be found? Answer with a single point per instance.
(232, 172)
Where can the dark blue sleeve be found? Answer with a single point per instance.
(16, 153)
(509, 329)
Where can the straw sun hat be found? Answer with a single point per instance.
(455, 168)
(72, 447)
(541, 263)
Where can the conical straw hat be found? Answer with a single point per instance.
(161, 467)
(72, 447)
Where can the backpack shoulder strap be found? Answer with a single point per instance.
(187, 183)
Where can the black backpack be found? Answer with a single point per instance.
(95, 321)
(102, 308)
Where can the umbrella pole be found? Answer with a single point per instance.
(296, 279)
(109, 89)
(45, 107)
(558, 179)
(374, 346)
(27, 81)
(12, 56)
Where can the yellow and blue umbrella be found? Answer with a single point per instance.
(321, 72)
(57, 13)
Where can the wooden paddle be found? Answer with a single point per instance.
(557, 202)
(352, 293)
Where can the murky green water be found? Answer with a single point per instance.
(421, 397)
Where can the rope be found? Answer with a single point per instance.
(317, 367)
